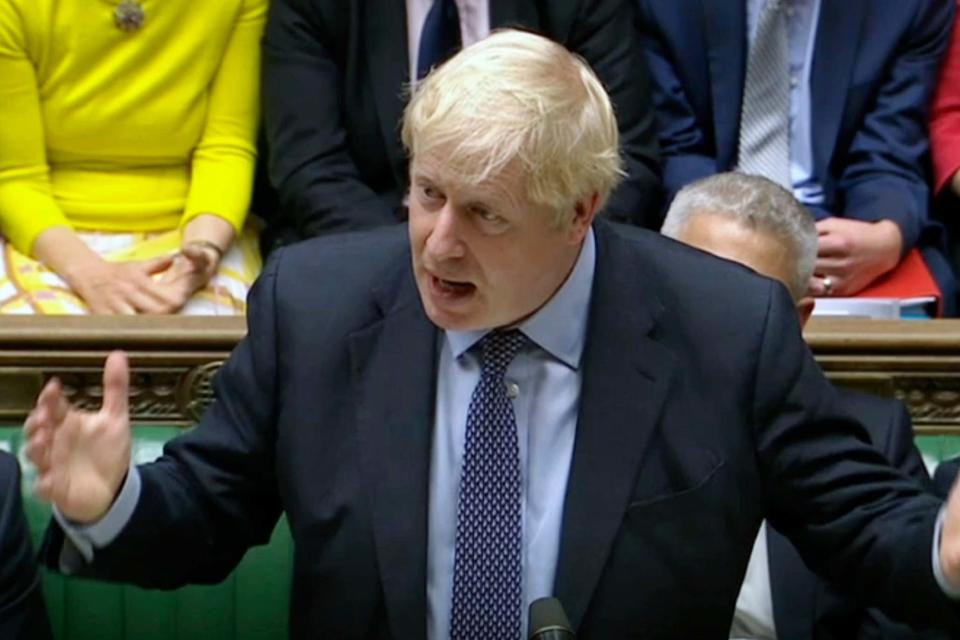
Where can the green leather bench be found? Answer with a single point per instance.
(251, 604)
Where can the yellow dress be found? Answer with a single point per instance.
(128, 132)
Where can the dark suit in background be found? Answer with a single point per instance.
(807, 608)
(23, 615)
(875, 65)
(334, 73)
(692, 427)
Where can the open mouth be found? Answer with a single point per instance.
(451, 289)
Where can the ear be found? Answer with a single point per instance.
(585, 210)
(805, 309)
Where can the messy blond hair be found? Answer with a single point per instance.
(519, 96)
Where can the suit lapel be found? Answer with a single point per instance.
(725, 24)
(626, 375)
(393, 364)
(387, 55)
(835, 50)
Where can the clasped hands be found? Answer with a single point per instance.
(157, 286)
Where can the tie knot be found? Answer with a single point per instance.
(498, 348)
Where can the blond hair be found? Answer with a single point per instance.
(519, 96)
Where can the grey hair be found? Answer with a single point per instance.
(758, 204)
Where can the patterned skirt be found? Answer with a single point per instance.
(28, 287)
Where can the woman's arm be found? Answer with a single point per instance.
(945, 120)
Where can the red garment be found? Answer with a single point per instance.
(945, 119)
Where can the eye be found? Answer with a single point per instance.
(431, 192)
(485, 214)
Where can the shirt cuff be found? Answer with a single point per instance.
(950, 590)
(86, 538)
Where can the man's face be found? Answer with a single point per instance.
(484, 256)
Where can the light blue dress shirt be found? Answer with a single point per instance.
(802, 19)
(546, 381)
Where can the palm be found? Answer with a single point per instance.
(81, 457)
(85, 452)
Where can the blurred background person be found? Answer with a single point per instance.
(828, 99)
(945, 144)
(127, 147)
(335, 76)
(753, 221)
(23, 615)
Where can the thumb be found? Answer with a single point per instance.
(116, 384)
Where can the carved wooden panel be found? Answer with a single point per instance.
(174, 361)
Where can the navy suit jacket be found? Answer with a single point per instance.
(23, 615)
(875, 65)
(692, 428)
(334, 77)
(807, 608)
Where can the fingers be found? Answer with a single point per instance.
(116, 385)
(156, 265)
(833, 245)
(50, 413)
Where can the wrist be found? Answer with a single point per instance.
(80, 271)
(213, 249)
(891, 239)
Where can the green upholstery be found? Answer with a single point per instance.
(251, 604)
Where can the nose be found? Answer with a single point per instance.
(445, 241)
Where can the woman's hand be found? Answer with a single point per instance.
(190, 271)
(107, 287)
(126, 288)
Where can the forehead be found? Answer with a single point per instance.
(726, 237)
(463, 180)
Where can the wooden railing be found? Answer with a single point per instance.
(175, 358)
(917, 361)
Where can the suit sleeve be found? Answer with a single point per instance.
(945, 119)
(900, 448)
(686, 155)
(22, 612)
(319, 184)
(213, 493)
(884, 176)
(604, 35)
(855, 519)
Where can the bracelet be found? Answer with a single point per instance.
(207, 244)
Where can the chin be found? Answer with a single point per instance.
(453, 322)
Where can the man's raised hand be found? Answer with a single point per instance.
(82, 457)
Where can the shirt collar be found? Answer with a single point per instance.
(560, 326)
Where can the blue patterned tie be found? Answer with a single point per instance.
(440, 36)
(487, 569)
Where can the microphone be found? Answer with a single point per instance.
(548, 621)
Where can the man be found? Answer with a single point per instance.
(335, 75)
(753, 221)
(827, 98)
(508, 399)
(23, 615)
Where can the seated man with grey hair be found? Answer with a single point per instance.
(755, 222)
(508, 398)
